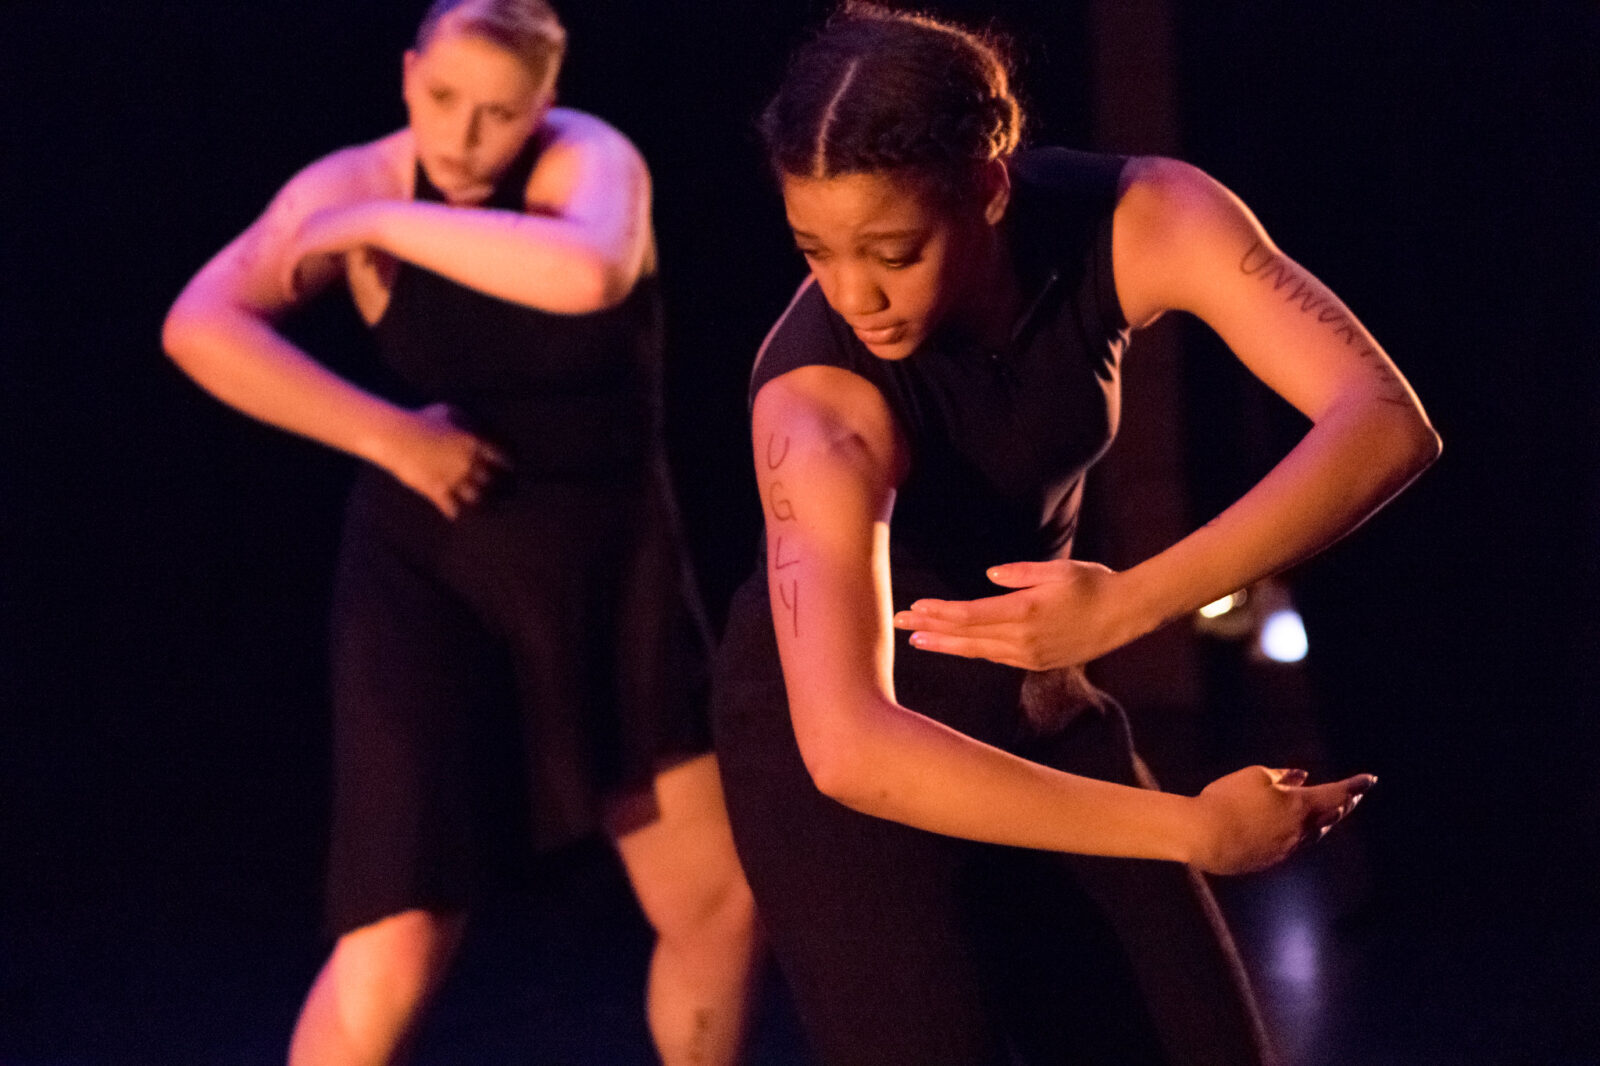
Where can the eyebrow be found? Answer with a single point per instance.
(871, 236)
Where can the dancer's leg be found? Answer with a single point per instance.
(364, 1007)
(687, 877)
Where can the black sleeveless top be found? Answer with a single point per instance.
(567, 396)
(1000, 440)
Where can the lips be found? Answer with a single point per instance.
(458, 182)
(880, 335)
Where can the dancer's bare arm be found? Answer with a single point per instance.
(827, 460)
(580, 246)
(222, 332)
(1183, 242)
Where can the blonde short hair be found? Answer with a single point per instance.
(528, 29)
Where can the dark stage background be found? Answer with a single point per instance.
(162, 736)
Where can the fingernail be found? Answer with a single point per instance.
(918, 639)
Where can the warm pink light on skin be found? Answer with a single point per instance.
(889, 258)
(472, 106)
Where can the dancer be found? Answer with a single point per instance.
(511, 541)
(951, 856)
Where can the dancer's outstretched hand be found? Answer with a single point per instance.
(1064, 612)
(1255, 817)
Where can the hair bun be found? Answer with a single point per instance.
(878, 89)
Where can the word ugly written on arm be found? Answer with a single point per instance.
(781, 509)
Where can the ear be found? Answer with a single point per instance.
(994, 185)
(408, 67)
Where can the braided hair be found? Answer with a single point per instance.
(880, 90)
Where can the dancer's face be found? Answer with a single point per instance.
(892, 258)
(473, 105)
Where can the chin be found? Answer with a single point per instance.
(892, 353)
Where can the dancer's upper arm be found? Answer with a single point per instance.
(827, 458)
(1185, 242)
(222, 330)
(250, 273)
(594, 180)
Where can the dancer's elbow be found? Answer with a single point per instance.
(1410, 441)
(838, 752)
(181, 331)
(830, 749)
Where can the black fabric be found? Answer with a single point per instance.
(909, 947)
(567, 396)
(498, 676)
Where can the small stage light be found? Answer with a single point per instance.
(1283, 636)
(1262, 615)
(1218, 608)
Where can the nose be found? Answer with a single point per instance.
(856, 293)
(471, 129)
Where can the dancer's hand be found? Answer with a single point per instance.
(1256, 817)
(442, 462)
(1064, 613)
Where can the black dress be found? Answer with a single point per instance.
(903, 946)
(542, 651)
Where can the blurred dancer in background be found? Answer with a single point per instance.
(511, 541)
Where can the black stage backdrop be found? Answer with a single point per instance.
(165, 562)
